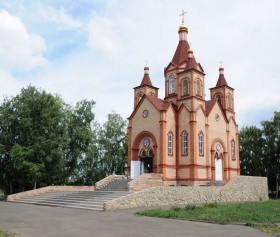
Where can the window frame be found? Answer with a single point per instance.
(198, 87)
(201, 143)
(232, 150)
(140, 96)
(171, 85)
(184, 143)
(170, 143)
(185, 83)
(229, 101)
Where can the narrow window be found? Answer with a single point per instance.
(150, 153)
(171, 85)
(232, 149)
(143, 153)
(140, 97)
(185, 87)
(201, 143)
(218, 97)
(198, 87)
(229, 101)
(170, 143)
(184, 143)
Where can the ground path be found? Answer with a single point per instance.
(42, 221)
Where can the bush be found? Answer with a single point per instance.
(211, 205)
(190, 207)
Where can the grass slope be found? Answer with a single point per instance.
(261, 215)
(6, 234)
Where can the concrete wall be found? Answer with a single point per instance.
(240, 189)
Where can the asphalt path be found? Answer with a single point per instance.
(42, 221)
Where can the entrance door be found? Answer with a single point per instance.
(218, 169)
(146, 165)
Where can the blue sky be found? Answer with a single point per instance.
(96, 49)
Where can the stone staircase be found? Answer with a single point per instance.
(89, 200)
(145, 181)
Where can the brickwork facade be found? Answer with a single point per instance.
(184, 137)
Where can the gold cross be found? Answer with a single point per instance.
(221, 64)
(146, 61)
(183, 15)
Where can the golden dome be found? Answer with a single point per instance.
(183, 27)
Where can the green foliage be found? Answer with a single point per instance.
(267, 212)
(7, 234)
(41, 139)
(190, 207)
(108, 151)
(175, 208)
(251, 151)
(211, 205)
(260, 150)
(44, 141)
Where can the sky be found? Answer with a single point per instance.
(97, 49)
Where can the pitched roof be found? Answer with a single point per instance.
(221, 81)
(191, 64)
(146, 81)
(181, 53)
(209, 104)
(159, 103)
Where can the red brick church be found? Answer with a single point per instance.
(184, 137)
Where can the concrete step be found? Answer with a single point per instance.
(91, 200)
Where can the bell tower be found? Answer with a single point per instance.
(184, 77)
(145, 88)
(224, 94)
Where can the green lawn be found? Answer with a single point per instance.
(6, 234)
(261, 215)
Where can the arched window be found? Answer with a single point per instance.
(184, 143)
(140, 95)
(218, 97)
(198, 87)
(152, 94)
(185, 87)
(229, 101)
(232, 149)
(201, 143)
(171, 85)
(143, 153)
(170, 143)
(150, 153)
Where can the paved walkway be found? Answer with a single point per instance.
(33, 221)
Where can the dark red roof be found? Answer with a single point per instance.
(221, 81)
(181, 53)
(209, 104)
(191, 64)
(159, 103)
(146, 81)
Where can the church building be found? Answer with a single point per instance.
(184, 137)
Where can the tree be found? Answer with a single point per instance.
(107, 153)
(251, 151)
(271, 132)
(260, 151)
(41, 139)
(113, 142)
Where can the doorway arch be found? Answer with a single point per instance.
(218, 163)
(144, 153)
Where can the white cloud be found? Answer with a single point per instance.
(102, 35)
(123, 34)
(19, 49)
(60, 17)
